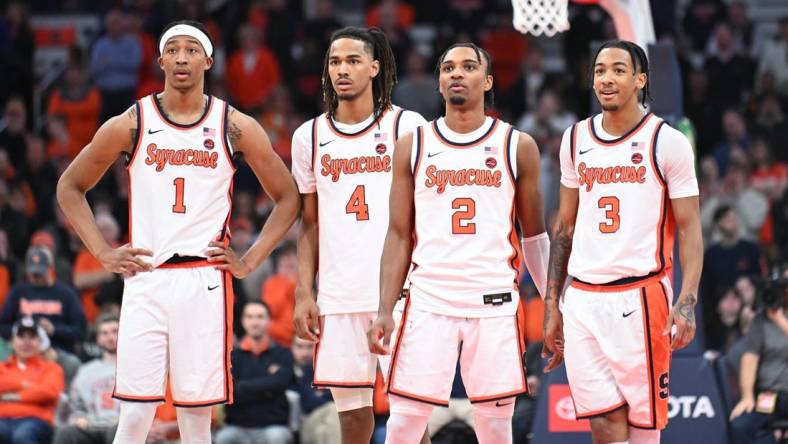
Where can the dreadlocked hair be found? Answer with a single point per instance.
(639, 60)
(489, 96)
(377, 45)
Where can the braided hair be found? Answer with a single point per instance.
(639, 60)
(489, 97)
(377, 45)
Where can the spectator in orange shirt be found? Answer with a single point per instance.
(79, 103)
(89, 274)
(252, 70)
(278, 293)
(30, 387)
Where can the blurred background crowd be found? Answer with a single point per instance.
(68, 65)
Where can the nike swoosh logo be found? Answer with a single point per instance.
(627, 314)
(498, 403)
(150, 131)
(212, 288)
(583, 152)
(433, 154)
(326, 143)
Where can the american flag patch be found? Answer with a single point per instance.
(638, 145)
(208, 132)
(380, 137)
(490, 150)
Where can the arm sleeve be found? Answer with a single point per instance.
(676, 161)
(753, 341)
(301, 151)
(78, 406)
(252, 390)
(568, 172)
(408, 122)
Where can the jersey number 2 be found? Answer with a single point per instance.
(358, 204)
(612, 221)
(459, 220)
(179, 207)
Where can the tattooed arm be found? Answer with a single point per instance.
(560, 248)
(686, 211)
(248, 138)
(115, 137)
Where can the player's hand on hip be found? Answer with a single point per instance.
(306, 317)
(553, 346)
(683, 317)
(225, 259)
(125, 260)
(379, 334)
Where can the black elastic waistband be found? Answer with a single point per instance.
(623, 281)
(178, 259)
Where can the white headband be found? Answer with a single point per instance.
(190, 31)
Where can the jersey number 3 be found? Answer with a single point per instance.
(358, 204)
(612, 221)
(179, 207)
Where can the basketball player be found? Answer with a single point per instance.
(342, 165)
(460, 184)
(627, 182)
(175, 321)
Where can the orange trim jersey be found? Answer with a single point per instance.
(466, 255)
(350, 169)
(180, 181)
(625, 225)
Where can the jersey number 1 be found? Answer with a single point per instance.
(358, 204)
(179, 207)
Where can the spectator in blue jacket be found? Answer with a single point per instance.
(262, 371)
(53, 305)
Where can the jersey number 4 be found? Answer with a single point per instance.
(179, 207)
(612, 220)
(358, 204)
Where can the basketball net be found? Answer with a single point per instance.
(539, 17)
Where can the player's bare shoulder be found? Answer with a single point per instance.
(244, 132)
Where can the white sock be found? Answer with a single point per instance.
(643, 436)
(195, 424)
(134, 422)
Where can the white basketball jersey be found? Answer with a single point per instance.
(180, 182)
(353, 179)
(625, 225)
(466, 256)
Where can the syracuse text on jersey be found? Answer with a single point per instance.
(465, 176)
(163, 156)
(617, 174)
(354, 165)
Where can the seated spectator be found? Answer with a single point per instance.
(724, 329)
(78, 103)
(320, 423)
(89, 274)
(252, 70)
(9, 267)
(278, 293)
(763, 380)
(94, 413)
(262, 371)
(30, 387)
(54, 306)
(63, 269)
